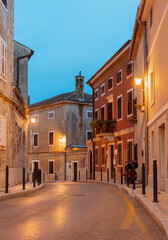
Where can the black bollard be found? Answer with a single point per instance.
(121, 175)
(133, 176)
(38, 172)
(27, 177)
(107, 174)
(101, 174)
(40, 176)
(86, 174)
(43, 176)
(127, 176)
(34, 180)
(155, 197)
(23, 178)
(143, 178)
(55, 177)
(79, 175)
(7, 179)
(114, 176)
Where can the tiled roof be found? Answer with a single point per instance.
(70, 96)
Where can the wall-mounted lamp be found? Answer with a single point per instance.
(33, 120)
(62, 140)
(138, 81)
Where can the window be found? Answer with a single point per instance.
(88, 134)
(3, 52)
(129, 69)
(51, 115)
(5, 3)
(119, 106)
(35, 139)
(89, 114)
(36, 118)
(152, 144)
(96, 94)
(119, 153)
(102, 89)
(129, 103)
(110, 111)
(119, 77)
(50, 166)
(96, 114)
(110, 83)
(129, 151)
(151, 17)
(152, 88)
(103, 155)
(97, 156)
(51, 138)
(102, 113)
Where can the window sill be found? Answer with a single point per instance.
(130, 115)
(119, 83)
(130, 75)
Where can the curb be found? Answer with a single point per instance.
(159, 218)
(20, 194)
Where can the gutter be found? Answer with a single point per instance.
(18, 65)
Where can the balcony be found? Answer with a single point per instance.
(104, 128)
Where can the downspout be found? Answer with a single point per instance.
(18, 65)
(93, 134)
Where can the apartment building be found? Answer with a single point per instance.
(57, 137)
(149, 50)
(114, 116)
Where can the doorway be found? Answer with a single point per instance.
(162, 163)
(112, 159)
(75, 172)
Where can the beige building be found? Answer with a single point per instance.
(57, 138)
(149, 49)
(13, 109)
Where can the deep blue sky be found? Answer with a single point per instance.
(68, 36)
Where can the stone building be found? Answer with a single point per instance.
(58, 133)
(113, 140)
(13, 109)
(149, 48)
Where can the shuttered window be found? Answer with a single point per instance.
(102, 113)
(35, 139)
(3, 58)
(129, 103)
(119, 77)
(119, 106)
(110, 111)
(51, 138)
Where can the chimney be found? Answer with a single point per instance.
(80, 87)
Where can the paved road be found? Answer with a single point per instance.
(76, 211)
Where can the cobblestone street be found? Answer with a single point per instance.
(76, 211)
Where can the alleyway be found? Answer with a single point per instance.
(76, 211)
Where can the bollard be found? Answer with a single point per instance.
(107, 174)
(23, 178)
(27, 177)
(114, 176)
(101, 174)
(7, 179)
(121, 175)
(79, 175)
(143, 178)
(34, 180)
(40, 176)
(133, 187)
(43, 176)
(38, 172)
(55, 177)
(127, 177)
(86, 174)
(155, 197)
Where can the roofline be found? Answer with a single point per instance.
(109, 62)
(57, 103)
(136, 25)
(23, 45)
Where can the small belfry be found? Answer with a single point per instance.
(80, 87)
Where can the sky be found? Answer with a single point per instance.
(69, 36)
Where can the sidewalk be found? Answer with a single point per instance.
(17, 191)
(158, 211)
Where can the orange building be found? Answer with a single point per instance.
(113, 116)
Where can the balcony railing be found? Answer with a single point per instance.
(103, 126)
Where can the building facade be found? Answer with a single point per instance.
(114, 114)
(57, 138)
(13, 109)
(149, 49)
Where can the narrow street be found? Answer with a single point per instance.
(76, 211)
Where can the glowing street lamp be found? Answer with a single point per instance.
(138, 81)
(33, 120)
(62, 140)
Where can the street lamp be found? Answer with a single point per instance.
(138, 81)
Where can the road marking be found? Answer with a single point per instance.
(131, 215)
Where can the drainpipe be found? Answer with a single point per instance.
(93, 134)
(18, 65)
